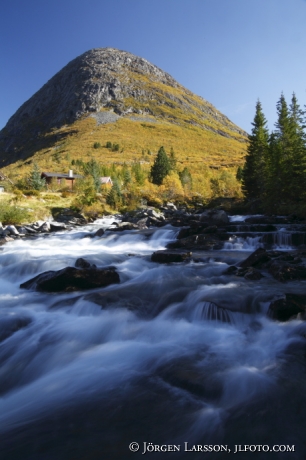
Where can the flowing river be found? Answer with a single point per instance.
(85, 374)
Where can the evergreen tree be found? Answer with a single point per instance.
(114, 196)
(273, 174)
(161, 167)
(92, 168)
(296, 188)
(253, 171)
(126, 176)
(36, 182)
(290, 149)
(239, 174)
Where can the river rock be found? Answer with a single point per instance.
(201, 241)
(215, 217)
(57, 226)
(143, 223)
(72, 279)
(121, 226)
(68, 216)
(164, 257)
(12, 230)
(288, 306)
(83, 263)
(284, 271)
(45, 227)
(256, 259)
(99, 233)
(253, 274)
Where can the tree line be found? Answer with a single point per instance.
(275, 165)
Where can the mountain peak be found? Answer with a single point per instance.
(107, 79)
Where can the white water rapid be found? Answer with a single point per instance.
(174, 353)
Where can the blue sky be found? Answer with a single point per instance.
(230, 52)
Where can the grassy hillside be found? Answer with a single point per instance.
(203, 151)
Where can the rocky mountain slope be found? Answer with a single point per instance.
(108, 84)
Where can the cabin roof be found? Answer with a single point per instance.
(106, 180)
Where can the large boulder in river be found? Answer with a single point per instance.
(288, 306)
(68, 216)
(256, 259)
(72, 279)
(164, 257)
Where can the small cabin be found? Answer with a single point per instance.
(68, 179)
(106, 181)
(1, 189)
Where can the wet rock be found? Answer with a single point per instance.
(215, 217)
(288, 306)
(164, 257)
(284, 271)
(72, 279)
(256, 259)
(30, 229)
(195, 229)
(22, 230)
(83, 263)
(231, 270)
(200, 241)
(252, 274)
(154, 221)
(99, 233)
(68, 216)
(12, 230)
(57, 226)
(45, 227)
(124, 226)
(143, 223)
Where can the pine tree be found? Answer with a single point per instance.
(92, 168)
(297, 185)
(161, 167)
(114, 197)
(253, 171)
(35, 180)
(126, 176)
(290, 148)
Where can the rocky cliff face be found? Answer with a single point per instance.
(110, 79)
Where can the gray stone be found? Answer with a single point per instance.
(72, 279)
(12, 230)
(215, 217)
(99, 233)
(164, 257)
(45, 227)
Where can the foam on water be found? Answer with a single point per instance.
(59, 352)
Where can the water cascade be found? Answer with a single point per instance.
(175, 353)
